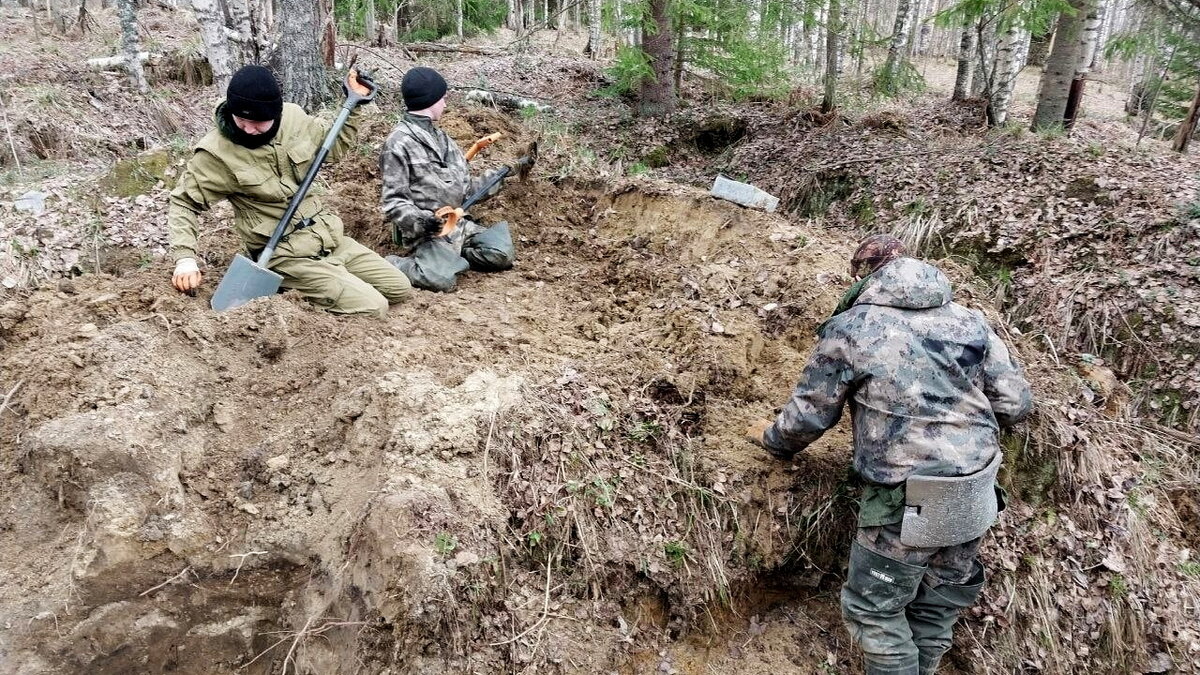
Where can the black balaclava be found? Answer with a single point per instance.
(253, 94)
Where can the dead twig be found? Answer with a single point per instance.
(545, 610)
(12, 147)
(8, 397)
(187, 570)
(241, 562)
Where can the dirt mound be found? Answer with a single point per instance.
(584, 409)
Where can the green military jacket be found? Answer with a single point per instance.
(259, 183)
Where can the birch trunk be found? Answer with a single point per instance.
(1060, 67)
(900, 36)
(966, 63)
(458, 19)
(1006, 76)
(129, 45)
(1087, 53)
(593, 44)
(216, 44)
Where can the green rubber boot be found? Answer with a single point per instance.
(874, 598)
(932, 614)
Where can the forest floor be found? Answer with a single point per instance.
(544, 471)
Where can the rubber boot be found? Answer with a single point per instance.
(874, 598)
(932, 614)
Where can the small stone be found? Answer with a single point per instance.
(88, 330)
(278, 463)
(249, 508)
(466, 558)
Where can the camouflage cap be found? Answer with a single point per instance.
(874, 252)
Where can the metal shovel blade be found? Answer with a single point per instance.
(243, 282)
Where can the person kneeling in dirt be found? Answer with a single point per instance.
(929, 385)
(256, 158)
(424, 170)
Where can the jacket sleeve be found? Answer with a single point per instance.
(476, 184)
(396, 202)
(204, 182)
(1004, 384)
(817, 401)
(317, 128)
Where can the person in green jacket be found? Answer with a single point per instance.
(256, 157)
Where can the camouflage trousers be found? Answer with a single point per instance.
(436, 263)
(900, 603)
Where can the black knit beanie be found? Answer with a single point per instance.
(254, 94)
(422, 87)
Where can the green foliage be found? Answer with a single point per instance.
(638, 169)
(1118, 588)
(534, 539)
(445, 543)
(424, 21)
(1169, 48)
(905, 79)
(1190, 568)
(675, 551)
(629, 70)
(644, 432)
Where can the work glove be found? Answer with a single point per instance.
(187, 275)
(525, 164)
(430, 225)
(361, 82)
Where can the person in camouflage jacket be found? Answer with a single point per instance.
(929, 385)
(423, 169)
(256, 157)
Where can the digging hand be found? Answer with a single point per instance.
(430, 225)
(361, 82)
(187, 277)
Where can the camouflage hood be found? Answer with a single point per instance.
(907, 283)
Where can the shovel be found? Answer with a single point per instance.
(451, 214)
(246, 279)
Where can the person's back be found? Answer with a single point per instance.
(929, 385)
(929, 379)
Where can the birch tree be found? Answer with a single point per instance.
(1060, 66)
(216, 44)
(1007, 67)
(593, 43)
(129, 45)
(900, 37)
(1087, 53)
(966, 62)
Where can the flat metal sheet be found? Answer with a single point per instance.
(948, 510)
(243, 282)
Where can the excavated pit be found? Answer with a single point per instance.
(542, 472)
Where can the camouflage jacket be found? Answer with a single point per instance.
(423, 170)
(929, 382)
(259, 183)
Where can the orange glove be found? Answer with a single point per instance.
(187, 275)
(757, 430)
(360, 82)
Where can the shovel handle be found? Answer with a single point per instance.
(481, 144)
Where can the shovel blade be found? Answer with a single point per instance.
(243, 282)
